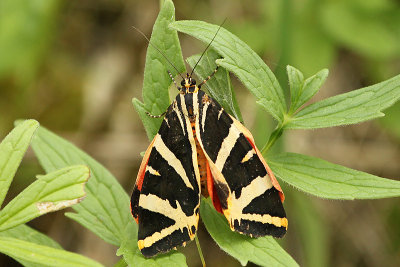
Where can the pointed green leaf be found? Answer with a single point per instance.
(51, 192)
(156, 79)
(302, 90)
(264, 251)
(243, 62)
(133, 257)
(219, 86)
(349, 108)
(43, 255)
(26, 233)
(327, 180)
(296, 80)
(12, 149)
(105, 210)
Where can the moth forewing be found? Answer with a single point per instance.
(166, 199)
(250, 197)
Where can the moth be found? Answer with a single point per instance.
(202, 150)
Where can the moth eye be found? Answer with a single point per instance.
(193, 82)
(183, 82)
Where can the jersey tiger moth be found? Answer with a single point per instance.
(201, 149)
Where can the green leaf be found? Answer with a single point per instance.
(348, 108)
(133, 256)
(219, 86)
(43, 255)
(302, 90)
(156, 79)
(264, 251)
(105, 210)
(243, 62)
(12, 150)
(26, 233)
(296, 79)
(327, 180)
(51, 192)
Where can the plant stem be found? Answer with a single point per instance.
(272, 139)
(200, 252)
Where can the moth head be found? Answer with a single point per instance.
(189, 84)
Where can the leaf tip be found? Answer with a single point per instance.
(323, 74)
(32, 122)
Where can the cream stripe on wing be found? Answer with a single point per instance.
(256, 188)
(179, 114)
(156, 204)
(195, 104)
(152, 171)
(248, 155)
(204, 115)
(226, 147)
(183, 106)
(220, 113)
(172, 160)
(265, 218)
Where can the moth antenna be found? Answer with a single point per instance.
(148, 40)
(209, 77)
(207, 47)
(172, 78)
(155, 116)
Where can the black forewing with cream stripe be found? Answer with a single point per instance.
(167, 204)
(249, 201)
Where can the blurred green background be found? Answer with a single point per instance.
(75, 65)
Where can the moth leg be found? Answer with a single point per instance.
(172, 78)
(155, 116)
(209, 77)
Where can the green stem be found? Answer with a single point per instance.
(200, 252)
(272, 139)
